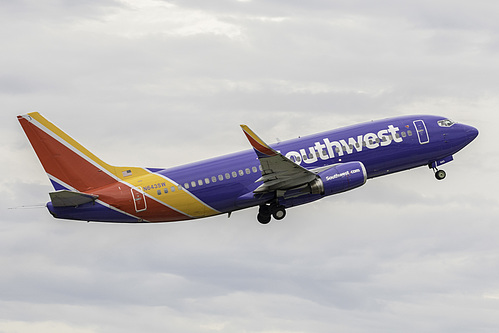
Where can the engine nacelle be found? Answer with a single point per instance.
(340, 178)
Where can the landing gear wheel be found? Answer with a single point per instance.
(279, 212)
(264, 210)
(440, 174)
(263, 218)
(264, 215)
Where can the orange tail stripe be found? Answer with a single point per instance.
(62, 163)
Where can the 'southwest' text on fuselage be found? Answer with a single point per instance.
(328, 149)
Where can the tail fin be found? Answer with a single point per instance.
(69, 165)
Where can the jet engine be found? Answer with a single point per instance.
(339, 178)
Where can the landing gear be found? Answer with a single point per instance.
(278, 212)
(266, 212)
(440, 174)
(263, 218)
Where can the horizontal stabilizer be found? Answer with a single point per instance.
(70, 199)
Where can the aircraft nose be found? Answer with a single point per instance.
(471, 133)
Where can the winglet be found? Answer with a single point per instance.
(261, 148)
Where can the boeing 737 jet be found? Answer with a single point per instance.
(272, 177)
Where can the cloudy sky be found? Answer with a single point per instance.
(162, 83)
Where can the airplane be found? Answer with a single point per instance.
(273, 177)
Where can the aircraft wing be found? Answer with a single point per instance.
(279, 173)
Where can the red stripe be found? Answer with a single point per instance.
(62, 163)
(258, 146)
(119, 195)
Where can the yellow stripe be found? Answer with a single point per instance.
(253, 135)
(38, 117)
(117, 171)
(181, 200)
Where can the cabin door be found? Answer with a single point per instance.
(422, 132)
(139, 199)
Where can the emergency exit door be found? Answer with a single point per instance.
(422, 132)
(139, 199)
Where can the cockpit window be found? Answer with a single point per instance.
(445, 123)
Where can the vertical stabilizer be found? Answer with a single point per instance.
(69, 165)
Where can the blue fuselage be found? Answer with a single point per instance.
(383, 146)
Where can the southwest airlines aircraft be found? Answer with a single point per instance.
(273, 177)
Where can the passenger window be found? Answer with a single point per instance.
(186, 186)
(260, 167)
(234, 174)
(298, 159)
(254, 169)
(165, 190)
(220, 177)
(173, 188)
(247, 170)
(193, 183)
(227, 176)
(159, 192)
(200, 182)
(241, 173)
(403, 134)
(213, 179)
(409, 132)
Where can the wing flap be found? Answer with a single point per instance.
(66, 198)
